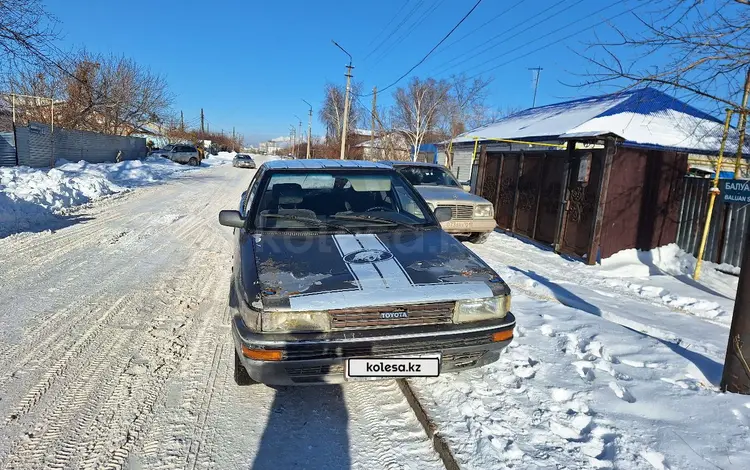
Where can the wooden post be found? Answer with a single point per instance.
(601, 200)
(496, 200)
(515, 195)
(481, 171)
(561, 214)
(538, 194)
(736, 375)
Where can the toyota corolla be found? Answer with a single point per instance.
(341, 271)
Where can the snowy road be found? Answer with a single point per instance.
(115, 352)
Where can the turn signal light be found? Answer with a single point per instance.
(261, 354)
(504, 335)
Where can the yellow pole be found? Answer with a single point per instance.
(741, 127)
(712, 198)
(474, 155)
(449, 159)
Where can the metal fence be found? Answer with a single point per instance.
(729, 224)
(38, 146)
(7, 149)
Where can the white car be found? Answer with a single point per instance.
(179, 153)
(472, 216)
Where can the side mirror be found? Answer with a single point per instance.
(443, 214)
(467, 187)
(231, 219)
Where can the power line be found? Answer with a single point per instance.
(493, 41)
(398, 26)
(479, 28)
(388, 24)
(420, 19)
(526, 54)
(431, 50)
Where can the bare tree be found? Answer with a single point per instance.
(102, 93)
(698, 47)
(466, 107)
(418, 107)
(332, 112)
(26, 35)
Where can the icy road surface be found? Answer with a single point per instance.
(115, 352)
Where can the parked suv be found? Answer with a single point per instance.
(180, 153)
(472, 216)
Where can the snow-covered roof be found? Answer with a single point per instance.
(644, 117)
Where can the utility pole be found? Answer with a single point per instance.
(296, 153)
(736, 375)
(233, 138)
(374, 116)
(536, 84)
(346, 100)
(309, 129)
(292, 138)
(203, 129)
(182, 121)
(742, 128)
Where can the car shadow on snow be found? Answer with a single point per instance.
(307, 428)
(19, 216)
(710, 369)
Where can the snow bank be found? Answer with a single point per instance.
(653, 266)
(577, 391)
(32, 198)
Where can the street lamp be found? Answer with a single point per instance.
(309, 129)
(292, 132)
(346, 100)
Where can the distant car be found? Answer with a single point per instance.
(243, 160)
(472, 216)
(342, 272)
(179, 153)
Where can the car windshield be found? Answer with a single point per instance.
(428, 176)
(350, 200)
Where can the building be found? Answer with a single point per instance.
(593, 176)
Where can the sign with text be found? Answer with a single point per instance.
(735, 191)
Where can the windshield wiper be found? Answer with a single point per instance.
(379, 220)
(309, 220)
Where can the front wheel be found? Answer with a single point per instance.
(241, 377)
(479, 238)
(193, 161)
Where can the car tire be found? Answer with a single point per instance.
(479, 238)
(193, 161)
(241, 377)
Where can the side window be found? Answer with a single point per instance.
(408, 204)
(179, 148)
(250, 194)
(190, 149)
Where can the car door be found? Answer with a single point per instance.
(181, 154)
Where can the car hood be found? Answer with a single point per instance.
(449, 194)
(327, 272)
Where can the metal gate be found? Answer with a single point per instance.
(526, 190)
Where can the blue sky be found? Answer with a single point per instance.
(250, 63)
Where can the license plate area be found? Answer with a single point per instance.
(392, 367)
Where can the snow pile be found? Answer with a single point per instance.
(673, 261)
(30, 198)
(221, 159)
(577, 391)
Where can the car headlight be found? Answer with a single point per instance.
(481, 309)
(295, 322)
(485, 210)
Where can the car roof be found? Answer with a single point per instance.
(318, 164)
(405, 163)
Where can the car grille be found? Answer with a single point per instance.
(419, 314)
(313, 374)
(385, 350)
(460, 211)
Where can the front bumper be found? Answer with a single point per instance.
(469, 225)
(320, 358)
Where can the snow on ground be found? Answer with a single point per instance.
(32, 199)
(601, 374)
